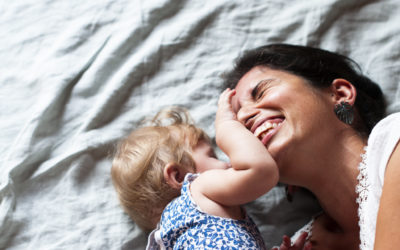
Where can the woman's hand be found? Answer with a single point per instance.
(300, 243)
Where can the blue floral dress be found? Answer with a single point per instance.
(184, 226)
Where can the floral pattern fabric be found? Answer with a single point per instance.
(184, 226)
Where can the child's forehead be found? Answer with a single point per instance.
(182, 136)
(180, 132)
(189, 133)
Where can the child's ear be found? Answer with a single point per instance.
(174, 175)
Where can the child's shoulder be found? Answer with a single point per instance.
(183, 203)
(190, 177)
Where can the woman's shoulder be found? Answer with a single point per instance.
(390, 121)
(386, 129)
(394, 117)
(381, 143)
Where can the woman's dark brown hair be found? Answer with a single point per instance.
(319, 67)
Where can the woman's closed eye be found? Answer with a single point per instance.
(260, 88)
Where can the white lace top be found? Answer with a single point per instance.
(381, 143)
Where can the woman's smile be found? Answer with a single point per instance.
(266, 130)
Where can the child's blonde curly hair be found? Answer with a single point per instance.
(138, 165)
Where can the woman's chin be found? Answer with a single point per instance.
(278, 150)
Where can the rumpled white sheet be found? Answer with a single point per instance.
(76, 76)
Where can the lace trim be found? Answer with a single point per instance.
(362, 189)
(308, 228)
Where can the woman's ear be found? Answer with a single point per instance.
(343, 91)
(174, 175)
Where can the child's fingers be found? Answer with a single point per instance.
(225, 109)
(226, 96)
(231, 92)
(228, 93)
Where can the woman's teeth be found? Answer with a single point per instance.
(262, 130)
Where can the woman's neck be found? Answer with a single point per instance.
(334, 182)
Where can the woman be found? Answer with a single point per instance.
(324, 110)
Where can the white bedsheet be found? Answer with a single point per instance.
(76, 76)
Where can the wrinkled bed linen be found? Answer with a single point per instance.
(77, 76)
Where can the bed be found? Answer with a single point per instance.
(77, 76)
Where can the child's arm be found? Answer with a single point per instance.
(253, 171)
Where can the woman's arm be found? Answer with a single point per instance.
(253, 171)
(388, 221)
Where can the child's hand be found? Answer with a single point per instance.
(300, 243)
(225, 110)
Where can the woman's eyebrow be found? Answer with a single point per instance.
(260, 85)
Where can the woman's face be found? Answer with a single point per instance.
(288, 115)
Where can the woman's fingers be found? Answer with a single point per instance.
(299, 244)
(308, 246)
(286, 243)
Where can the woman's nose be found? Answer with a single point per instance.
(246, 115)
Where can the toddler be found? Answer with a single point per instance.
(169, 180)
